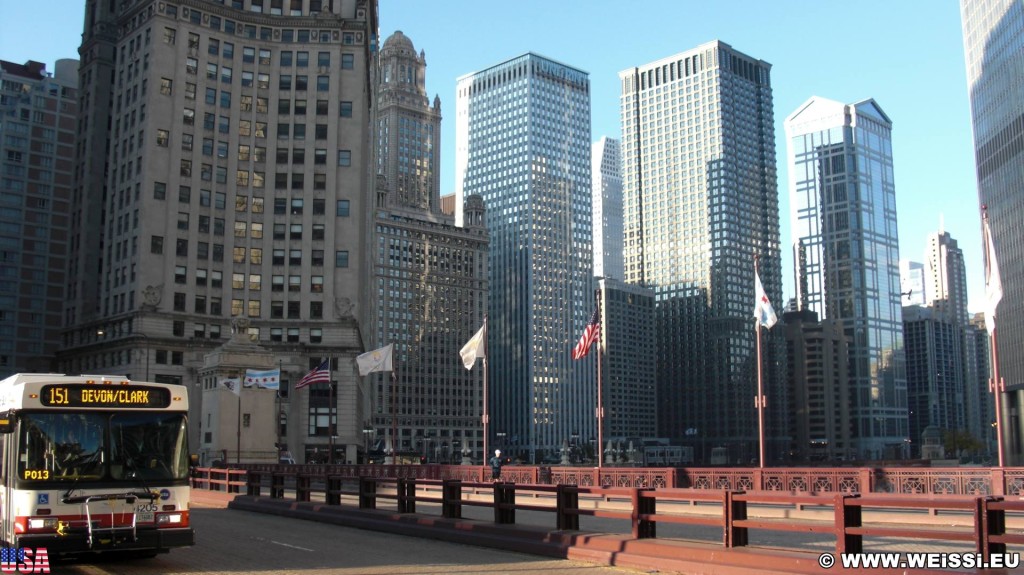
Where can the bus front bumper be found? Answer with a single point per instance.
(154, 540)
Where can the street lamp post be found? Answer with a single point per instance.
(367, 432)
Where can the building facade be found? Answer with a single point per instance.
(430, 276)
(817, 361)
(606, 179)
(233, 197)
(37, 137)
(628, 360)
(913, 283)
(700, 201)
(935, 373)
(846, 251)
(994, 53)
(946, 277)
(523, 144)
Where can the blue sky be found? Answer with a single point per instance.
(906, 54)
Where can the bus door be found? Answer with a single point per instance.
(8, 470)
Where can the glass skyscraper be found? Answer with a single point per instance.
(522, 143)
(994, 52)
(846, 252)
(605, 170)
(700, 201)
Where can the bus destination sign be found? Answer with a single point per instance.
(100, 396)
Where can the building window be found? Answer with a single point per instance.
(316, 335)
(341, 259)
(348, 61)
(165, 86)
(156, 245)
(159, 190)
(344, 157)
(179, 301)
(345, 109)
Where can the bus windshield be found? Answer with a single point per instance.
(89, 446)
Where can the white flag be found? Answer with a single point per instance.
(762, 307)
(232, 383)
(475, 347)
(993, 284)
(376, 360)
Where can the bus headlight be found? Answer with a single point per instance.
(42, 523)
(175, 519)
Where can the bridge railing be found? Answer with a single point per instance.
(864, 480)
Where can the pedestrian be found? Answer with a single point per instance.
(496, 465)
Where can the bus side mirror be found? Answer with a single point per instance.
(7, 422)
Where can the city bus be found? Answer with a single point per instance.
(93, 463)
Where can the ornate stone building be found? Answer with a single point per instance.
(430, 279)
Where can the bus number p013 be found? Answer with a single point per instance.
(36, 474)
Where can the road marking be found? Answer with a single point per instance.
(261, 539)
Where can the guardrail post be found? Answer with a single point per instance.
(567, 503)
(406, 495)
(233, 487)
(989, 522)
(253, 484)
(734, 510)
(451, 498)
(277, 486)
(367, 493)
(847, 516)
(643, 528)
(302, 487)
(333, 495)
(505, 503)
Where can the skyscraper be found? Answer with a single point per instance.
(606, 180)
(628, 362)
(522, 142)
(430, 276)
(913, 284)
(843, 201)
(223, 162)
(994, 52)
(935, 372)
(946, 277)
(36, 143)
(700, 201)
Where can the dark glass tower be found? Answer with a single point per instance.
(700, 200)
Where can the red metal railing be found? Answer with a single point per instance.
(895, 480)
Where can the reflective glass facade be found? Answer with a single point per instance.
(523, 144)
(846, 251)
(994, 52)
(700, 199)
(606, 171)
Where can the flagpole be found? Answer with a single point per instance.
(331, 408)
(485, 419)
(759, 401)
(600, 398)
(996, 382)
(394, 416)
(238, 428)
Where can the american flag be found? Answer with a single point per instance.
(322, 374)
(590, 335)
